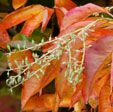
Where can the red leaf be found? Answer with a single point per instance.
(79, 13)
(4, 37)
(21, 15)
(2, 44)
(97, 57)
(18, 3)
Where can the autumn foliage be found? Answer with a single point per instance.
(90, 82)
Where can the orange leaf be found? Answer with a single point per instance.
(60, 16)
(104, 99)
(62, 81)
(77, 107)
(79, 13)
(112, 72)
(44, 103)
(99, 83)
(67, 4)
(77, 94)
(98, 33)
(62, 7)
(32, 24)
(18, 3)
(60, 78)
(56, 103)
(33, 85)
(19, 56)
(21, 15)
(4, 37)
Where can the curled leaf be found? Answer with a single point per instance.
(21, 15)
(79, 13)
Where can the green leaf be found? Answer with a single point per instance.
(20, 36)
(37, 35)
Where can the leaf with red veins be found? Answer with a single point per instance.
(18, 3)
(46, 17)
(4, 37)
(80, 13)
(21, 15)
(96, 57)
